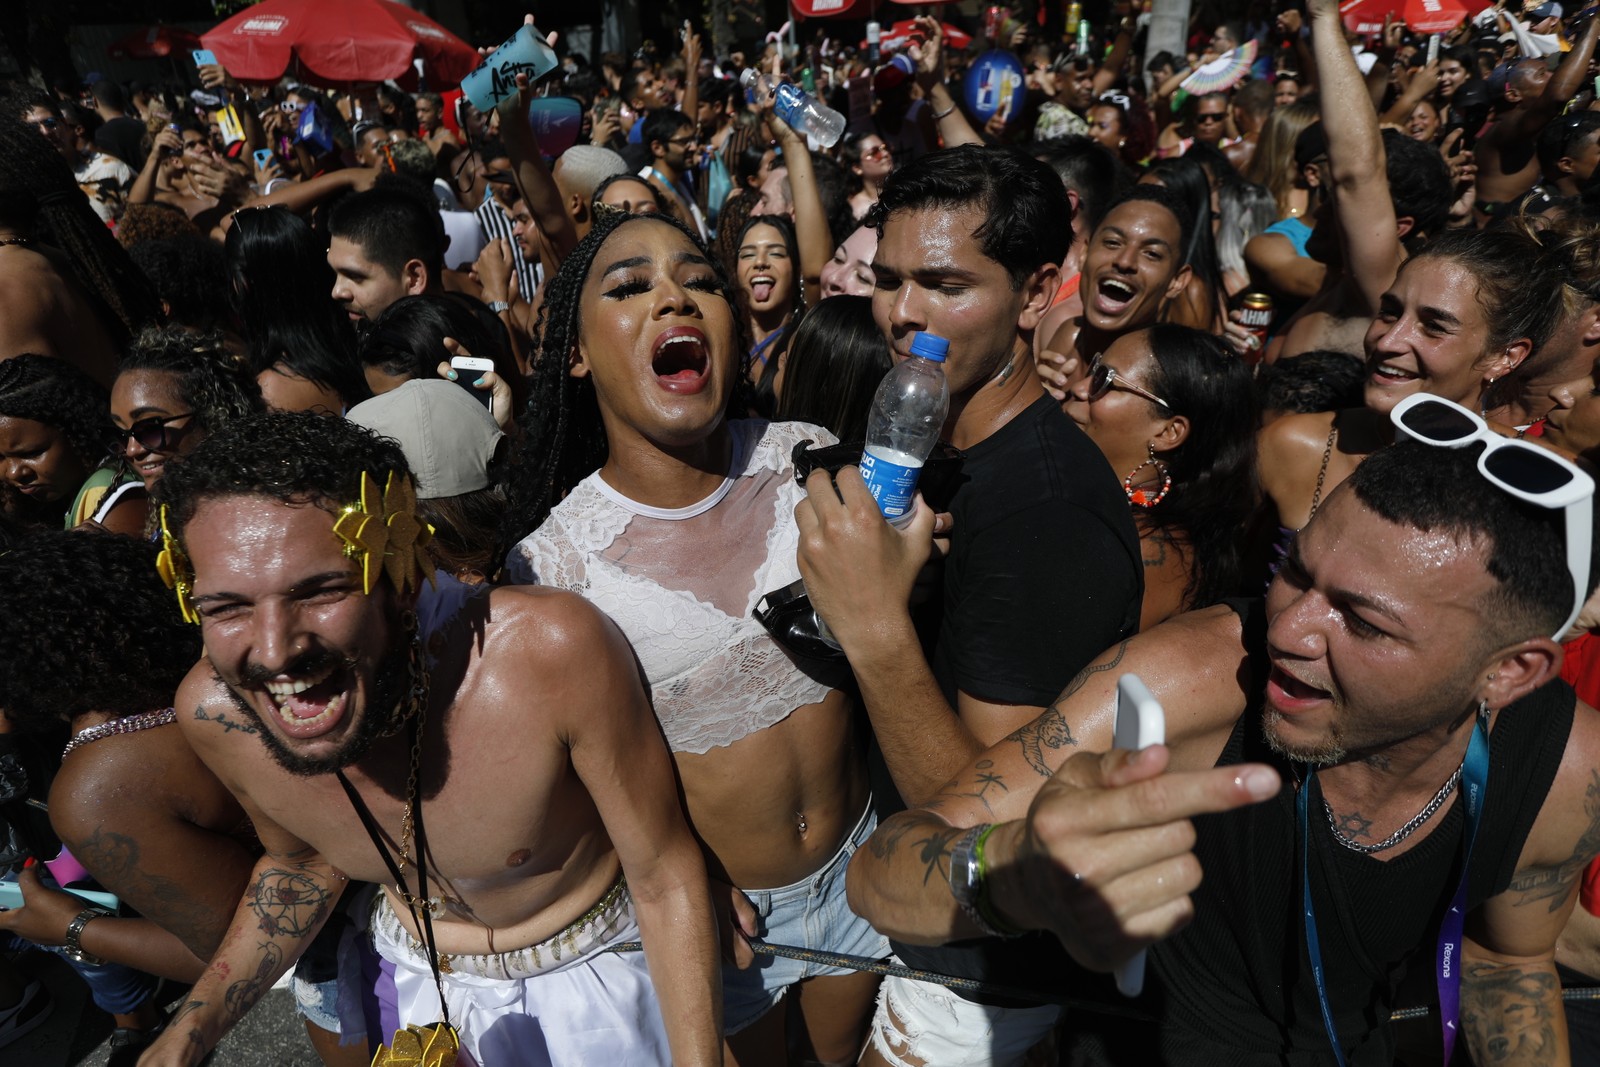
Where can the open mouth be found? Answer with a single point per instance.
(149, 469)
(1112, 296)
(311, 705)
(1284, 690)
(681, 360)
(761, 287)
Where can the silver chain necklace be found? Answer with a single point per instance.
(1401, 834)
(128, 724)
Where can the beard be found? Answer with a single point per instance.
(1325, 754)
(391, 681)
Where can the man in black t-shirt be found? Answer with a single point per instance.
(1043, 570)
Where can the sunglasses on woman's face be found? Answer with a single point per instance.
(152, 433)
(1103, 378)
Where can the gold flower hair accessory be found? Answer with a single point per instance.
(173, 565)
(383, 532)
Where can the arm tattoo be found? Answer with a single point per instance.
(288, 903)
(1508, 1012)
(241, 996)
(886, 841)
(936, 853)
(1050, 730)
(982, 782)
(114, 859)
(221, 719)
(1554, 884)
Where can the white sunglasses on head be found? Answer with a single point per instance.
(1527, 472)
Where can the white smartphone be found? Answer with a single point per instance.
(1433, 48)
(1141, 722)
(468, 370)
(11, 896)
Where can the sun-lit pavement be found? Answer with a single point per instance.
(272, 1035)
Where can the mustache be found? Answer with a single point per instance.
(314, 661)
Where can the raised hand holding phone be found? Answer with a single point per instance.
(1141, 722)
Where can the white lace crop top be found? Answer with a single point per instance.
(681, 585)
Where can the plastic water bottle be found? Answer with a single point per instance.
(804, 113)
(908, 413)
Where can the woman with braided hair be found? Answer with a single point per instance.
(684, 527)
(56, 443)
(79, 247)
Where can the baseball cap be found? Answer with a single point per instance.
(447, 436)
(1547, 10)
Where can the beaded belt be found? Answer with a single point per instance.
(589, 932)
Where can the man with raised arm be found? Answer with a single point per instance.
(485, 756)
(1418, 603)
(1531, 97)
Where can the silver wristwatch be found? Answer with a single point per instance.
(73, 949)
(499, 306)
(966, 880)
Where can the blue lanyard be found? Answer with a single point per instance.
(1474, 777)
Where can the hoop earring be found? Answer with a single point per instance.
(1142, 498)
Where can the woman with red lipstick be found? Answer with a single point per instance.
(55, 449)
(683, 528)
(1462, 313)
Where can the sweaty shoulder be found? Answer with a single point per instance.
(1290, 443)
(548, 630)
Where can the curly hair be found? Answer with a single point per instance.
(210, 380)
(89, 627)
(563, 439)
(292, 456)
(54, 392)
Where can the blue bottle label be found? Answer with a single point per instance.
(892, 485)
(789, 99)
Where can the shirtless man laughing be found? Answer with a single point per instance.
(544, 812)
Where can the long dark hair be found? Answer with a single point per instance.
(563, 437)
(280, 281)
(835, 361)
(1214, 469)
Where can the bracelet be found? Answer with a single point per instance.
(985, 907)
(498, 306)
(73, 949)
(940, 116)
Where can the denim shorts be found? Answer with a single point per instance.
(810, 914)
(922, 1023)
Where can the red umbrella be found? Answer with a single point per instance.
(899, 35)
(1420, 16)
(813, 9)
(337, 41)
(153, 42)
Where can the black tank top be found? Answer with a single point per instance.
(1234, 989)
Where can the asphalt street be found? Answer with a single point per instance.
(271, 1035)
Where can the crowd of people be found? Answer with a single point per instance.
(438, 572)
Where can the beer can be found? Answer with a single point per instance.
(1255, 315)
(991, 22)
